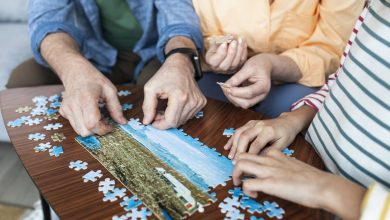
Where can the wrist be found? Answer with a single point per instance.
(182, 62)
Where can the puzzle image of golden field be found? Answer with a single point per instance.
(169, 171)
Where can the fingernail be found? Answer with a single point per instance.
(234, 162)
(240, 40)
(230, 156)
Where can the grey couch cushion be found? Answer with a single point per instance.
(14, 49)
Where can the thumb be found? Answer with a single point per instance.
(239, 77)
(149, 106)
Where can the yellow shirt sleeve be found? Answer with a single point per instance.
(318, 56)
(376, 203)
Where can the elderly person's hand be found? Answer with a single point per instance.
(173, 81)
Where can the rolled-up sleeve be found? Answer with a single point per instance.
(177, 18)
(47, 17)
(319, 55)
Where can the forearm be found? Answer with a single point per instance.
(284, 69)
(342, 197)
(62, 54)
(300, 118)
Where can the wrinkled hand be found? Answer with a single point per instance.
(173, 81)
(257, 134)
(281, 176)
(251, 84)
(227, 58)
(80, 102)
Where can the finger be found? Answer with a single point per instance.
(245, 139)
(241, 76)
(277, 154)
(263, 160)
(149, 106)
(216, 58)
(93, 119)
(249, 168)
(240, 102)
(260, 142)
(231, 54)
(77, 117)
(244, 55)
(237, 58)
(212, 50)
(247, 92)
(113, 105)
(251, 187)
(172, 114)
(229, 144)
(103, 127)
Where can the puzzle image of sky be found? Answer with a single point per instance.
(169, 171)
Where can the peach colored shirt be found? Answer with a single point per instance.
(313, 33)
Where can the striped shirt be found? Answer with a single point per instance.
(351, 131)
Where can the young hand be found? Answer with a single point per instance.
(227, 58)
(255, 135)
(293, 180)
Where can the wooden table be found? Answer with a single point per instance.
(71, 198)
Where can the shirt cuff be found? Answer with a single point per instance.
(52, 27)
(183, 30)
(376, 203)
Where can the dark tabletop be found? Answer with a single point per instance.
(71, 198)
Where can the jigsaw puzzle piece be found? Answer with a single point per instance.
(92, 176)
(56, 151)
(36, 136)
(78, 165)
(199, 114)
(142, 214)
(119, 192)
(228, 204)
(288, 152)
(235, 214)
(252, 206)
(273, 210)
(130, 203)
(42, 147)
(122, 217)
(106, 185)
(127, 106)
(228, 132)
(124, 93)
(109, 196)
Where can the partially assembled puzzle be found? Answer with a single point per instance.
(170, 171)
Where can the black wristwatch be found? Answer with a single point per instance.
(193, 55)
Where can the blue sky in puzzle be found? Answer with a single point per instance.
(201, 165)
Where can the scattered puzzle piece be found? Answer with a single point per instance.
(228, 204)
(273, 210)
(78, 165)
(288, 152)
(50, 127)
(54, 98)
(109, 196)
(228, 132)
(23, 109)
(255, 218)
(199, 114)
(16, 123)
(106, 185)
(58, 137)
(56, 151)
(139, 214)
(52, 117)
(56, 104)
(92, 176)
(236, 192)
(235, 214)
(36, 136)
(124, 93)
(42, 147)
(119, 192)
(122, 217)
(31, 122)
(130, 203)
(252, 206)
(41, 110)
(51, 111)
(127, 106)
